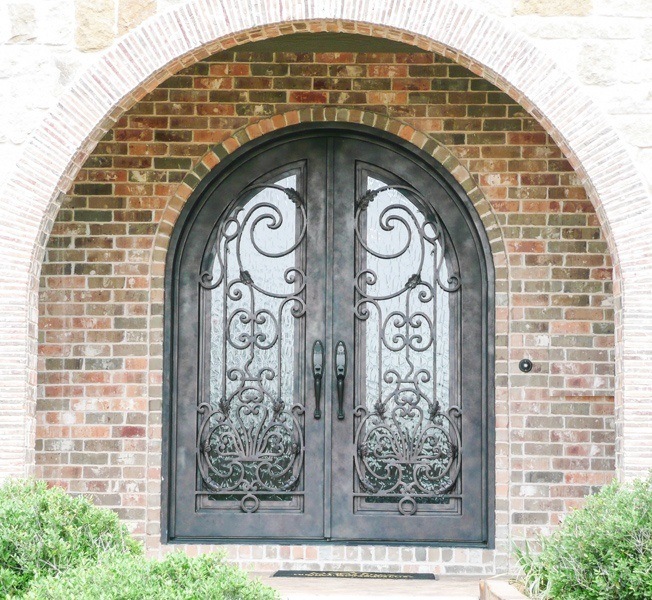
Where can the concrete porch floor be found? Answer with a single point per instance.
(444, 588)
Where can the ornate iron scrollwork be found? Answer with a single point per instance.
(250, 441)
(408, 445)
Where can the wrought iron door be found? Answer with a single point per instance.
(329, 348)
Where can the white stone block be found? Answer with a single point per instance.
(55, 22)
(635, 129)
(598, 63)
(625, 8)
(22, 17)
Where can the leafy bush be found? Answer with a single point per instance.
(601, 552)
(54, 546)
(174, 578)
(44, 531)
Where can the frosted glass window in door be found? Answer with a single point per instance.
(251, 435)
(407, 438)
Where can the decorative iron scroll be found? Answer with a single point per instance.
(250, 442)
(407, 440)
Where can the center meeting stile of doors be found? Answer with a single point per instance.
(330, 319)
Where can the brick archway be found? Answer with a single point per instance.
(147, 56)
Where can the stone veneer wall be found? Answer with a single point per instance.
(100, 310)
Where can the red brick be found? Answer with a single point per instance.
(545, 219)
(309, 97)
(130, 431)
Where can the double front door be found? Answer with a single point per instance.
(328, 336)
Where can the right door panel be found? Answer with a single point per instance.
(407, 458)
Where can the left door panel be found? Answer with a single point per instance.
(248, 305)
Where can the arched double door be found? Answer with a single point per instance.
(329, 347)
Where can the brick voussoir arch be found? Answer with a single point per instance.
(165, 43)
(336, 115)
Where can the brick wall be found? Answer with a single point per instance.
(100, 325)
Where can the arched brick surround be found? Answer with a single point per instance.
(148, 55)
(492, 559)
(343, 115)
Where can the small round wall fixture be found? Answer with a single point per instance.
(525, 365)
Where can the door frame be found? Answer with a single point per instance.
(222, 170)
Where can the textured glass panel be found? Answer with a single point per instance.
(407, 436)
(251, 436)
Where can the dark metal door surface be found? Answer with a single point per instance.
(330, 330)
(407, 454)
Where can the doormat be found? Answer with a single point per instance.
(355, 575)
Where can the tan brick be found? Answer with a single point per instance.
(95, 24)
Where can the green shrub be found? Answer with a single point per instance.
(176, 577)
(601, 552)
(54, 546)
(44, 531)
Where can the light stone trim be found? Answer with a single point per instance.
(497, 589)
(167, 42)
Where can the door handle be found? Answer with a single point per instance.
(340, 374)
(317, 373)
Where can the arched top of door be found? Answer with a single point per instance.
(356, 122)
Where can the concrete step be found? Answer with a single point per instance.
(307, 588)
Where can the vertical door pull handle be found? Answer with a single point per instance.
(340, 374)
(317, 373)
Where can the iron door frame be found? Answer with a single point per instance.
(328, 132)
